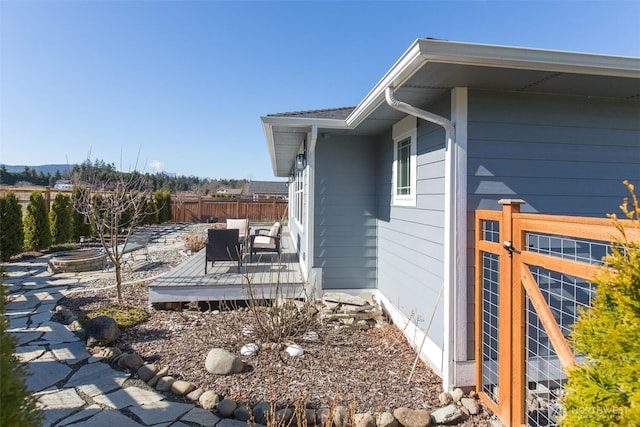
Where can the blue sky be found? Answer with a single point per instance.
(180, 86)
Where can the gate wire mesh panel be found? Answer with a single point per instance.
(490, 300)
(564, 295)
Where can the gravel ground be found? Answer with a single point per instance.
(366, 368)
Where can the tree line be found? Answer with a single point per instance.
(106, 172)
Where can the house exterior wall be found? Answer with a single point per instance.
(345, 235)
(411, 239)
(564, 155)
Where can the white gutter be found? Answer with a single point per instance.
(450, 248)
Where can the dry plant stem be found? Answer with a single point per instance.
(415, 361)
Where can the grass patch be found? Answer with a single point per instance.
(124, 315)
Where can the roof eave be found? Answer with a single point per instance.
(423, 51)
(269, 122)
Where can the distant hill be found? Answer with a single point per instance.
(51, 169)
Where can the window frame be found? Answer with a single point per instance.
(405, 130)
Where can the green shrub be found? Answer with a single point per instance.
(163, 206)
(37, 234)
(17, 404)
(150, 212)
(604, 390)
(61, 219)
(124, 315)
(11, 232)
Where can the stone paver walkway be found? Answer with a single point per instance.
(73, 387)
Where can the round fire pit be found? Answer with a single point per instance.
(77, 261)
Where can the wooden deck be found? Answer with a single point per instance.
(266, 277)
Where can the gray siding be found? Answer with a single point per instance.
(411, 239)
(345, 223)
(561, 154)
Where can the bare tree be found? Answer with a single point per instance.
(114, 212)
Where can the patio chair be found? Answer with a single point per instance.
(242, 225)
(266, 240)
(223, 245)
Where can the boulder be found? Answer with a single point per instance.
(209, 400)
(222, 362)
(165, 383)
(386, 419)
(341, 416)
(226, 407)
(130, 362)
(412, 417)
(364, 420)
(147, 371)
(101, 330)
(449, 414)
(260, 412)
(471, 405)
(181, 387)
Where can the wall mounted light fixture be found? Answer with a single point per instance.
(301, 162)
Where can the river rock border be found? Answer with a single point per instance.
(456, 406)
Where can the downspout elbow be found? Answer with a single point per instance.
(414, 111)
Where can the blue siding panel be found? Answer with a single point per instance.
(411, 239)
(561, 154)
(345, 243)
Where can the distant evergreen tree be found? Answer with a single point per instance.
(11, 232)
(61, 219)
(37, 234)
(17, 405)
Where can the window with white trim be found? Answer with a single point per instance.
(297, 204)
(405, 135)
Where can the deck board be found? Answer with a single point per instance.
(267, 275)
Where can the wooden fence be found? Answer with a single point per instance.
(533, 275)
(203, 209)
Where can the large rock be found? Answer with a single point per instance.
(364, 420)
(386, 419)
(226, 407)
(102, 330)
(449, 414)
(412, 417)
(209, 400)
(222, 362)
(130, 362)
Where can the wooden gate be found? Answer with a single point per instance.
(532, 276)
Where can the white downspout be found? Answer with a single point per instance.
(450, 270)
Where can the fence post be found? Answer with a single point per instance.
(509, 322)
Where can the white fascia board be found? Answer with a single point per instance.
(268, 135)
(304, 122)
(529, 59)
(423, 51)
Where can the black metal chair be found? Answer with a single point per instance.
(266, 240)
(223, 245)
